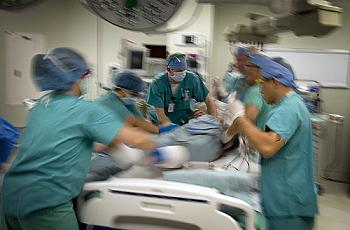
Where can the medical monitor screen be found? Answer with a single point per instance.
(136, 59)
(156, 51)
(191, 63)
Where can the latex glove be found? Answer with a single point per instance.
(29, 103)
(234, 109)
(158, 156)
(170, 156)
(167, 128)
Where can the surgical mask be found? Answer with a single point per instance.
(178, 76)
(84, 86)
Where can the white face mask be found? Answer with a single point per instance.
(178, 76)
(84, 86)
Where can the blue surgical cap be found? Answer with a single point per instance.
(176, 61)
(270, 69)
(284, 63)
(59, 69)
(128, 80)
(242, 50)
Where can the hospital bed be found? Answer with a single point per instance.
(153, 203)
(138, 203)
(156, 204)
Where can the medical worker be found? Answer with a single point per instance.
(287, 180)
(234, 79)
(171, 93)
(127, 87)
(56, 146)
(8, 138)
(256, 108)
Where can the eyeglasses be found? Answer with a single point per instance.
(259, 81)
(86, 73)
(251, 66)
(131, 92)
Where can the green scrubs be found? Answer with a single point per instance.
(288, 191)
(56, 218)
(253, 97)
(291, 223)
(54, 155)
(177, 107)
(123, 111)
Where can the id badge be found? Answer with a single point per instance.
(186, 96)
(171, 108)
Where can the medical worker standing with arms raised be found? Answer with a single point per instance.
(287, 181)
(56, 146)
(171, 92)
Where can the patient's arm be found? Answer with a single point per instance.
(211, 107)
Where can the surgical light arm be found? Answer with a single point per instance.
(302, 17)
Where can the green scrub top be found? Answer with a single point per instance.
(253, 97)
(55, 152)
(160, 96)
(123, 111)
(288, 177)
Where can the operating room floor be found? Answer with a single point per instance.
(334, 207)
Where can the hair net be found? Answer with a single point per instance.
(241, 50)
(284, 63)
(270, 69)
(245, 50)
(176, 61)
(59, 69)
(128, 80)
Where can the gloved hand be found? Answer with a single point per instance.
(167, 128)
(158, 156)
(170, 156)
(234, 109)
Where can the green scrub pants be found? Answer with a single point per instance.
(290, 223)
(56, 218)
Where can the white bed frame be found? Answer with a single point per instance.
(151, 204)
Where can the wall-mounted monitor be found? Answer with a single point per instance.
(136, 60)
(157, 51)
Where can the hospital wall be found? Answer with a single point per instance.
(333, 100)
(110, 45)
(63, 23)
(66, 23)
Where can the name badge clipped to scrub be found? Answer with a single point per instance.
(186, 95)
(171, 108)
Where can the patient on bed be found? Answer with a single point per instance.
(203, 138)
